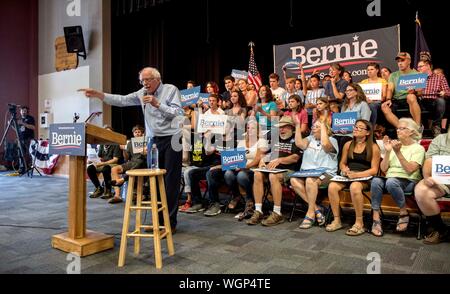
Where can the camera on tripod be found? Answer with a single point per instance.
(13, 108)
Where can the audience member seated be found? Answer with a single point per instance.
(298, 113)
(429, 190)
(433, 96)
(110, 156)
(360, 159)
(277, 91)
(266, 109)
(322, 111)
(284, 155)
(319, 151)
(335, 87)
(133, 161)
(312, 94)
(401, 163)
(396, 99)
(256, 146)
(374, 77)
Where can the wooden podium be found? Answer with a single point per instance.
(78, 240)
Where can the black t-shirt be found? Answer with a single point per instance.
(198, 155)
(108, 152)
(285, 148)
(25, 133)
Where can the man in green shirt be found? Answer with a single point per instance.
(399, 99)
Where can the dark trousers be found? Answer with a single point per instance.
(105, 170)
(171, 161)
(195, 176)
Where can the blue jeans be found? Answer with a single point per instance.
(214, 178)
(397, 187)
(374, 108)
(243, 178)
(149, 152)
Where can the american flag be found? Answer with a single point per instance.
(253, 74)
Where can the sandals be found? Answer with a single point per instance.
(355, 230)
(377, 229)
(334, 226)
(115, 183)
(234, 203)
(307, 223)
(320, 217)
(402, 224)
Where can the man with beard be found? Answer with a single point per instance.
(284, 155)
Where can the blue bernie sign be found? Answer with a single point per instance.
(190, 96)
(233, 159)
(205, 98)
(344, 122)
(412, 82)
(68, 139)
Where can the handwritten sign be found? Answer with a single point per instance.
(138, 144)
(441, 169)
(373, 91)
(190, 96)
(233, 159)
(412, 82)
(239, 74)
(213, 123)
(344, 122)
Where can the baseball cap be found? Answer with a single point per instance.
(403, 55)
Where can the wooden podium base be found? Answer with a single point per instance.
(93, 243)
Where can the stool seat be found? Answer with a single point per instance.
(146, 172)
(155, 206)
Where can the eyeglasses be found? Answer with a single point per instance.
(143, 81)
(359, 128)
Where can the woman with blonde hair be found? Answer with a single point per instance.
(401, 163)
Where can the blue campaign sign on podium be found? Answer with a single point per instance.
(233, 159)
(344, 122)
(68, 139)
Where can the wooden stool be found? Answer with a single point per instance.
(159, 232)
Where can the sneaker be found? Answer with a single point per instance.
(115, 200)
(185, 207)
(234, 203)
(213, 210)
(195, 208)
(256, 218)
(435, 237)
(97, 193)
(273, 220)
(107, 194)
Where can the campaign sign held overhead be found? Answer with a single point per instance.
(344, 122)
(233, 159)
(189, 96)
(412, 82)
(239, 74)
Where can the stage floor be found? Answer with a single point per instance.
(32, 210)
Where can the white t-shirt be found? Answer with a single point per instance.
(278, 92)
(314, 156)
(251, 151)
(219, 110)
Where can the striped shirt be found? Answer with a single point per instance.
(311, 97)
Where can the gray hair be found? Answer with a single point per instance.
(413, 126)
(153, 72)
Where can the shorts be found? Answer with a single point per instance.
(132, 165)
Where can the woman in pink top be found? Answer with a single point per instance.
(298, 113)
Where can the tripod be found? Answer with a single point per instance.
(33, 167)
(12, 123)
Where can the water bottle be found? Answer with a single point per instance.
(155, 157)
(124, 191)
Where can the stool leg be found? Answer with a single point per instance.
(126, 219)
(137, 240)
(162, 192)
(156, 232)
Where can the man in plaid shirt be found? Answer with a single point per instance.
(433, 96)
